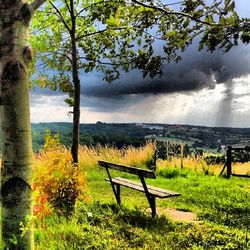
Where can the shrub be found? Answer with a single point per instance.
(57, 179)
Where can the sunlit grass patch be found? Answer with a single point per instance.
(241, 168)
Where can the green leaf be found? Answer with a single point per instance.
(144, 9)
(186, 23)
(112, 21)
(231, 7)
(227, 2)
(139, 42)
(223, 20)
(209, 19)
(69, 101)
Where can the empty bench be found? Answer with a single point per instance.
(150, 191)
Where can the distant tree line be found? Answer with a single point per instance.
(116, 140)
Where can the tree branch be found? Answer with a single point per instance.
(93, 4)
(61, 17)
(67, 5)
(36, 5)
(178, 13)
(101, 62)
(99, 32)
(63, 54)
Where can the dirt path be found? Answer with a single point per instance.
(177, 215)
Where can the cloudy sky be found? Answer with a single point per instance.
(203, 89)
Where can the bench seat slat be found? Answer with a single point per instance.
(157, 192)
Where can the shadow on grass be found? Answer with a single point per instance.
(135, 218)
(173, 173)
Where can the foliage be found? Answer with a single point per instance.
(218, 23)
(121, 34)
(172, 173)
(41, 208)
(57, 180)
(51, 142)
(237, 156)
(229, 30)
(109, 37)
(241, 156)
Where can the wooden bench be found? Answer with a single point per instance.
(150, 191)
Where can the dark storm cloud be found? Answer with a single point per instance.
(105, 104)
(197, 70)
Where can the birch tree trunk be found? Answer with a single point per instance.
(15, 56)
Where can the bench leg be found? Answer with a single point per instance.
(151, 198)
(151, 201)
(118, 192)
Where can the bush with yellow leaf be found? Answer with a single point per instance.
(56, 178)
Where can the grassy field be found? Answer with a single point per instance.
(222, 207)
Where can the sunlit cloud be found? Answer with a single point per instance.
(209, 107)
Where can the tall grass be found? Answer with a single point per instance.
(197, 164)
(88, 157)
(143, 157)
(138, 157)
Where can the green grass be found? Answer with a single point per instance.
(214, 198)
(223, 206)
(105, 226)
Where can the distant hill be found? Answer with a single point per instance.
(136, 134)
(123, 134)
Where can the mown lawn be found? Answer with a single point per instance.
(222, 205)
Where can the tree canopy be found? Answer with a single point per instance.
(119, 35)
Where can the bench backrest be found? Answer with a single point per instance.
(128, 169)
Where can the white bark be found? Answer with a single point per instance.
(16, 181)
